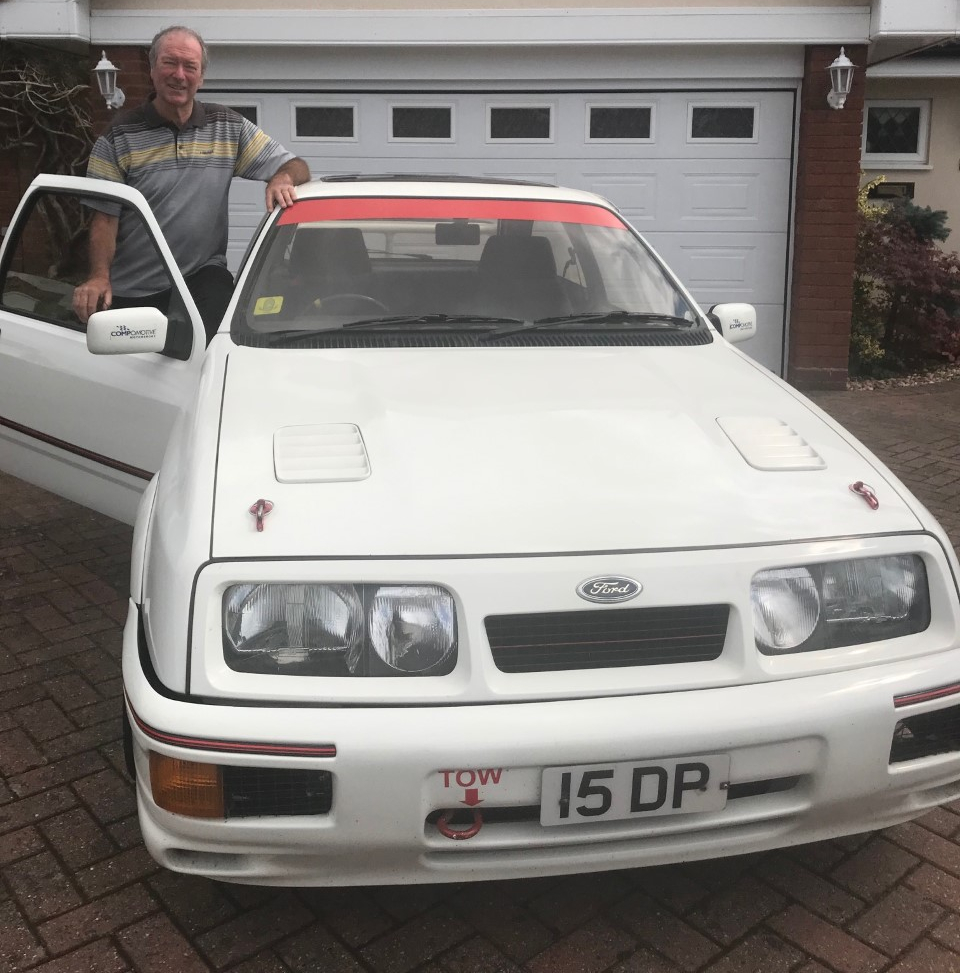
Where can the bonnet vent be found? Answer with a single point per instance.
(769, 444)
(320, 454)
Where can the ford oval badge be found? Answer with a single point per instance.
(609, 589)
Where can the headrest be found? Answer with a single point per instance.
(329, 252)
(519, 257)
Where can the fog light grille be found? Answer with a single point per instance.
(251, 792)
(926, 735)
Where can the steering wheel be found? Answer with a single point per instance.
(346, 303)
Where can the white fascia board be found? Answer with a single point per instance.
(522, 28)
(945, 68)
(914, 18)
(239, 67)
(45, 21)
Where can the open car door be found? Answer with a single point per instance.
(88, 427)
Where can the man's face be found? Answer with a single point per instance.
(178, 73)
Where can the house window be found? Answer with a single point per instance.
(895, 132)
(520, 123)
(326, 122)
(616, 123)
(422, 123)
(723, 123)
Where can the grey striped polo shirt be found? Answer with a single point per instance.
(185, 175)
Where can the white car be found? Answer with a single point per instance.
(478, 550)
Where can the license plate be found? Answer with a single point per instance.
(617, 791)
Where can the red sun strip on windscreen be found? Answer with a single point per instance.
(419, 208)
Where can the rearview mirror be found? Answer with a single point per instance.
(459, 233)
(126, 331)
(736, 322)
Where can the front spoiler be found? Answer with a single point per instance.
(395, 767)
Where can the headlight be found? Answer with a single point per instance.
(823, 606)
(339, 630)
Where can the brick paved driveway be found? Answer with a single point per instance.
(79, 894)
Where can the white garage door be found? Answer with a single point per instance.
(704, 175)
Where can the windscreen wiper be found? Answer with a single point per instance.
(398, 322)
(638, 319)
(449, 319)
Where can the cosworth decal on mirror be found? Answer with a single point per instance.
(124, 332)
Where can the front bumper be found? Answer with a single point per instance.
(821, 743)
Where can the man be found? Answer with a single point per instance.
(181, 154)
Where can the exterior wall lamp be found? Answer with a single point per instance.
(106, 72)
(841, 80)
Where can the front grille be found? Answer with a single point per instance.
(595, 639)
(926, 735)
(253, 792)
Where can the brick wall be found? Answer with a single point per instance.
(828, 176)
(18, 168)
(133, 77)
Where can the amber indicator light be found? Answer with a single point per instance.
(186, 787)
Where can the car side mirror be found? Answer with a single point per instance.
(126, 331)
(736, 322)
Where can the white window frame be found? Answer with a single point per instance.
(755, 105)
(488, 114)
(325, 103)
(590, 105)
(422, 104)
(898, 160)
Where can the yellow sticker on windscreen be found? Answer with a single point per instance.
(268, 305)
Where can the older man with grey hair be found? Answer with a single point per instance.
(182, 155)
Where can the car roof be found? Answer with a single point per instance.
(399, 184)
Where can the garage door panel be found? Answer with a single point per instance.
(727, 266)
(766, 346)
(727, 193)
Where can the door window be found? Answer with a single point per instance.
(47, 258)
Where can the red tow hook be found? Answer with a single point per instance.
(867, 492)
(459, 834)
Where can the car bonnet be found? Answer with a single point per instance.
(485, 451)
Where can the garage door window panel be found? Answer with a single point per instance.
(519, 123)
(248, 109)
(421, 123)
(895, 133)
(620, 123)
(325, 123)
(722, 123)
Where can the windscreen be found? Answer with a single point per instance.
(409, 263)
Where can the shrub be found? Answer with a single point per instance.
(906, 291)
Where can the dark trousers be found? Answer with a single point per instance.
(211, 289)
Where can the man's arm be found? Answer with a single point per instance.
(95, 293)
(280, 188)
